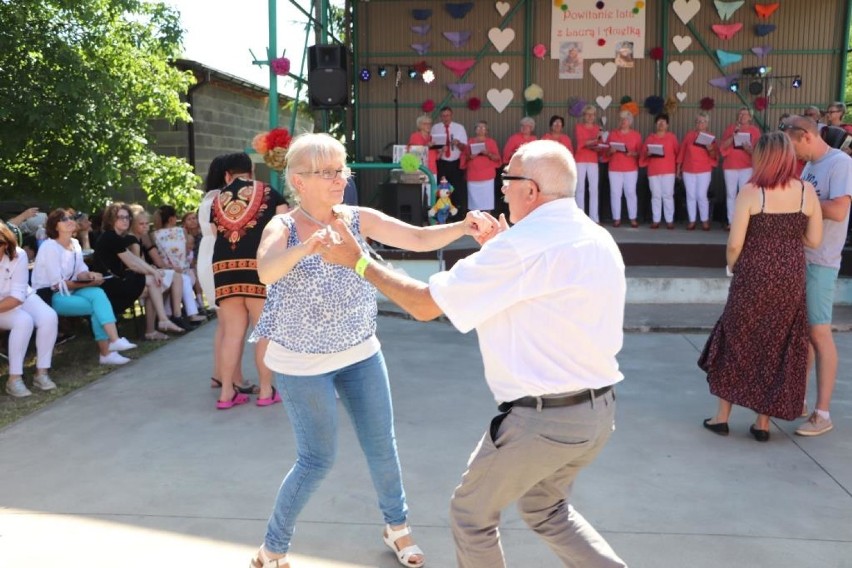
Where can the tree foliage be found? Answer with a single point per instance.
(82, 79)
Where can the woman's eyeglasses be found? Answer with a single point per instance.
(122, 217)
(345, 173)
(65, 218)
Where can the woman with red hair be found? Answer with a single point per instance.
(757, 354)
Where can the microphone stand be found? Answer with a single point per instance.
(396, 103)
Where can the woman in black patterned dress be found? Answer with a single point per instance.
(757, 354)
(240, 213)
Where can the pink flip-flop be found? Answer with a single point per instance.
(276, 397)
(239, 398)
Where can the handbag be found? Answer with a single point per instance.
(46, 294)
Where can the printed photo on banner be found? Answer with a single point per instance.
(624, 54)
(612, 30)
(571, 60)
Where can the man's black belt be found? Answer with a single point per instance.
(552, 402)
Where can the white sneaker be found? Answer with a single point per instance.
(121, 344)
(43, 382)
(114, 358)
(17, 389)
(816, 425)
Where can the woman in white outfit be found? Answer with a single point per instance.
(20, 311)
(588, 137)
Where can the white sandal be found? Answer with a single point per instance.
(390, 537)
(263, 561)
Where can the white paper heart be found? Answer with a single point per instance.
(680, 71)
(603, 72)
(604, 101)
(686, 9)
(500, 69)
(681, 42)
(681, 96)
(501, 38)
(499, 99)
(502, 7)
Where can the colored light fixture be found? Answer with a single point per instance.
(734, 86)
(365, 74)
(412, 73)
(797, 82)
(383, 71)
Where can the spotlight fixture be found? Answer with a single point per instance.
(412, 73)
(755, 87)
(734, 86)
(365, 74)
(797, 82)
(428, 76)
(761, 71)
(383, 71)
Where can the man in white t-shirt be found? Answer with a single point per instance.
(830, 171)
(546, 298)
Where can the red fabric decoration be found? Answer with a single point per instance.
(760, 103)
(473, 103)
(656, 53)
(602, 42)
(707, 103)
(428, 105)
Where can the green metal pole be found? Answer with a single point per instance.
(844, 66)
(528, 34)
(273, 83)
(662, 65)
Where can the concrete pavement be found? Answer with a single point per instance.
(139, 469)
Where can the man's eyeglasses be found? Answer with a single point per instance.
(345, 173)
(507, 178)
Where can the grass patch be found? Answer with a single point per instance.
(75, 365)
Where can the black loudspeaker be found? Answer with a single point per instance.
(327, 77)
(405, 202)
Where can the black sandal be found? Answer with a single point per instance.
(244, 389)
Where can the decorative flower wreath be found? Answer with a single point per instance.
(273, 146)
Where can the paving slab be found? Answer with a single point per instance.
(139, 469)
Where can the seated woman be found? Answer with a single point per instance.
(113, 257)
(20, 311)
(155, 311)
(171, 244)
(191, 227)
(61, 276)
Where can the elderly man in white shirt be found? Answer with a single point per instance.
(546, 298)
(20, 312)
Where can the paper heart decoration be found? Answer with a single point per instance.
(603, 72)
(604, 101)
(680, 71)
(500, 69)
(681, 96)
(502, 7)
(686, 9)
(681, 43)
(499, 99)
(501, 38)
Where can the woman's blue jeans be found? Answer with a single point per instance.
(311, 406)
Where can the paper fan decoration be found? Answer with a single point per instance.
(458, 39)
(726, 31)
(458, 10)
(458, 66)
(421, 14)
(459, 90)
(421, 48)
(421, 29)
